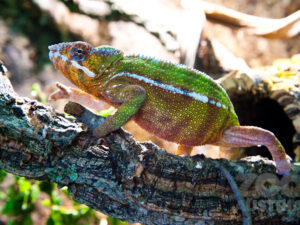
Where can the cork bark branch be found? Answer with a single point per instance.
(137, 182)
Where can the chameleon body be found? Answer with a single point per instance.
(172, 101)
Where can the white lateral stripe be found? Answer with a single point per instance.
(168, 87)
(85, 70)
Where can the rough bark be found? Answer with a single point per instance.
(137, 182)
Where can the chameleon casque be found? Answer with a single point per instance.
(172, 101)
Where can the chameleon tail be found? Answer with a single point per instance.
(246, 136)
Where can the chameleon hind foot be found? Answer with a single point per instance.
(184, 150)
(78, 96)
(230, 153)
(246, 136)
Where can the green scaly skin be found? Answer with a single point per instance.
(172, 116)
(172, 101)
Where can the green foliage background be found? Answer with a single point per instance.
(21, 197)
(26, 18)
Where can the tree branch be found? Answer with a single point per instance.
(137, 182)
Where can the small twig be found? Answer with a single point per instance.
(238, 195)
(84, 115)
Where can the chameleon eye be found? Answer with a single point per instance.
(80, 50)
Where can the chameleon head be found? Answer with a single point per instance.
(81, 63)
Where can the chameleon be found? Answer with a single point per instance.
(172, 101)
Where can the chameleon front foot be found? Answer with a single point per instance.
(246, 136)
(63, 92)
(78, 96)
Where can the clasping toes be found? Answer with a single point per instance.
(63, 92)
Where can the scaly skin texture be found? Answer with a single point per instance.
(172, 101)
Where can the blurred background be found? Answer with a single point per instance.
(185, 31)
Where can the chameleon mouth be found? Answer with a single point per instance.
(59, 59)
(55, 55)
(54, 52)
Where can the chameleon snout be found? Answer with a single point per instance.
(55, 52)
(53, 48)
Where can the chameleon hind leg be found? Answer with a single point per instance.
(246, 136)
(184, 150)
